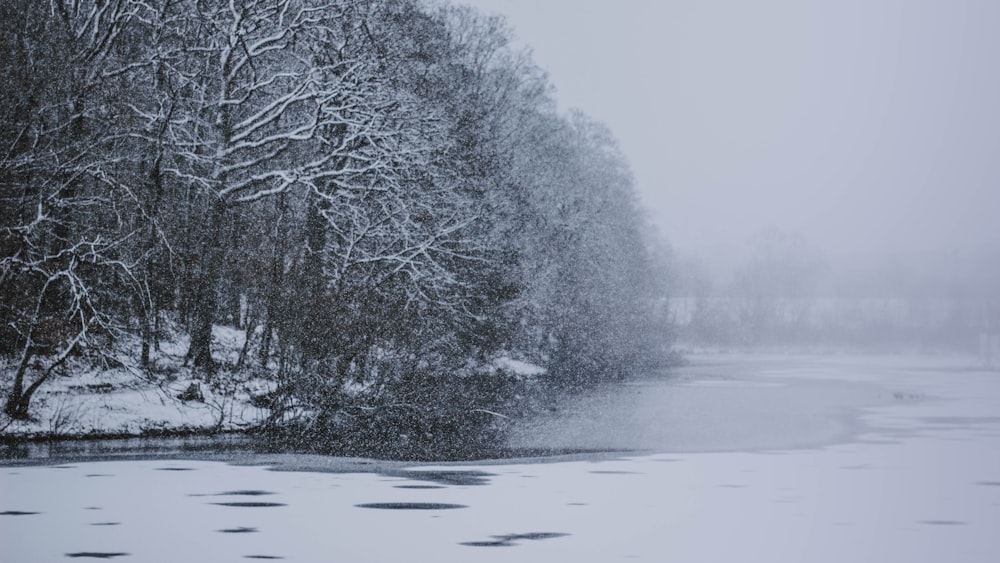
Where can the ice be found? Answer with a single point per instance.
(914, 481)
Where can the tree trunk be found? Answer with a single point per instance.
(18, 409)
(249, 326)
(275, 281)
(206, 298)
(147, 337)
(19, 399)
(265, 339)
(17, 403)
(147, 303)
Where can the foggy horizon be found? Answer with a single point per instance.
(870, 128)
(380, 280)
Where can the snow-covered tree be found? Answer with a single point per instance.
(261, 98)
(64, 220)
(376, 190)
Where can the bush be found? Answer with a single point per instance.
(418, 417)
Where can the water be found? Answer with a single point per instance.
(862, 459)
(705, 407)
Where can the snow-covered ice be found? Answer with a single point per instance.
(916, 478)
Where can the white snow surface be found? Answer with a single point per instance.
(518, 367)
(86, 398)
(917, 480)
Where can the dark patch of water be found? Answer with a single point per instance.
(242, 448)
(509, 540)
(418, 487)
(411, 505)
(233, 494)
(17, 513)
(239, 530)
(250, 504)
(989, 483)
(491, 543)
(98, 475)
(262, 557)
(944, 522)
(106, 524)
(609, 472)
(446, 477)
(96, 554)
(532, 536)
(175, 469)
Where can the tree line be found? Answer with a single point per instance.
(786, 292)
(374, 190)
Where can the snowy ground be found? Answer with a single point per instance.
(914, 477)
(87, 398)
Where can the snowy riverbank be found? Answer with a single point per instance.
(114, 397)
(89, 398)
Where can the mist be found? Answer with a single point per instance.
(865, 131)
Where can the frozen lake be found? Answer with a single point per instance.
(733, 458)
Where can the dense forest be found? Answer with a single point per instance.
(381, 193)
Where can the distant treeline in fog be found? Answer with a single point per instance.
(786, 292)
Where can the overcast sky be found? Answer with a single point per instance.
(863, 124)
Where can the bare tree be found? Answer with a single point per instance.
(63, 223)
(261, 98)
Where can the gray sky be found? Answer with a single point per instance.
(863, 124)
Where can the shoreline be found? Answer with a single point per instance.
(712, 403)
